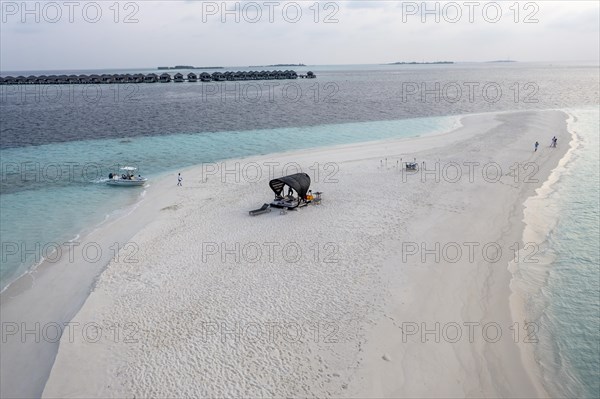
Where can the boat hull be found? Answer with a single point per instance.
(126, 183)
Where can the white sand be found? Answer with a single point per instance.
(329, 323)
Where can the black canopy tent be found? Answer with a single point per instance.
(300, 182)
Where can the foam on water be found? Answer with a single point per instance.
(558, 284)
(43, 208)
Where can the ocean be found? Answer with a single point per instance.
(58, 144)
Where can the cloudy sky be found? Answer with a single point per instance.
(72, 34)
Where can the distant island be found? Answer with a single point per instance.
(276, 65)
(501, 61)
(421, 63)
(162, 68)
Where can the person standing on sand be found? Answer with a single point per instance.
(536, 146)
(179, 179)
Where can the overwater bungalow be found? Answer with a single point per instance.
(151, 78)
(106, 78)
(310, 75)
(62, 79)
(96, 79)
(2, 80)
(290, 74)
(117, 78)
(218, 77)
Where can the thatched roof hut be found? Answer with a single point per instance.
(151, 78)
(117, 78)
(95, 79)
(192, 77)
(106, 78)
(165, 78)
(178, 77)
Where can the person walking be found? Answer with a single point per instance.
(179, 179)
(536, 146)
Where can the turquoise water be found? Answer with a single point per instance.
(53, 193)
(564, 299)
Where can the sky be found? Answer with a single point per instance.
(73, 34)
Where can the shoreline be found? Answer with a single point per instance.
(369, 150)
(533, 231)
(161, 177)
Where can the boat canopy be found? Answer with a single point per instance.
(131, 168)
(300, 182)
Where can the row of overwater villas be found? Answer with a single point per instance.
(153, 78)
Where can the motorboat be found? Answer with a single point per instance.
(126, 178)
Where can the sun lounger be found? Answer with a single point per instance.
(264, 209)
